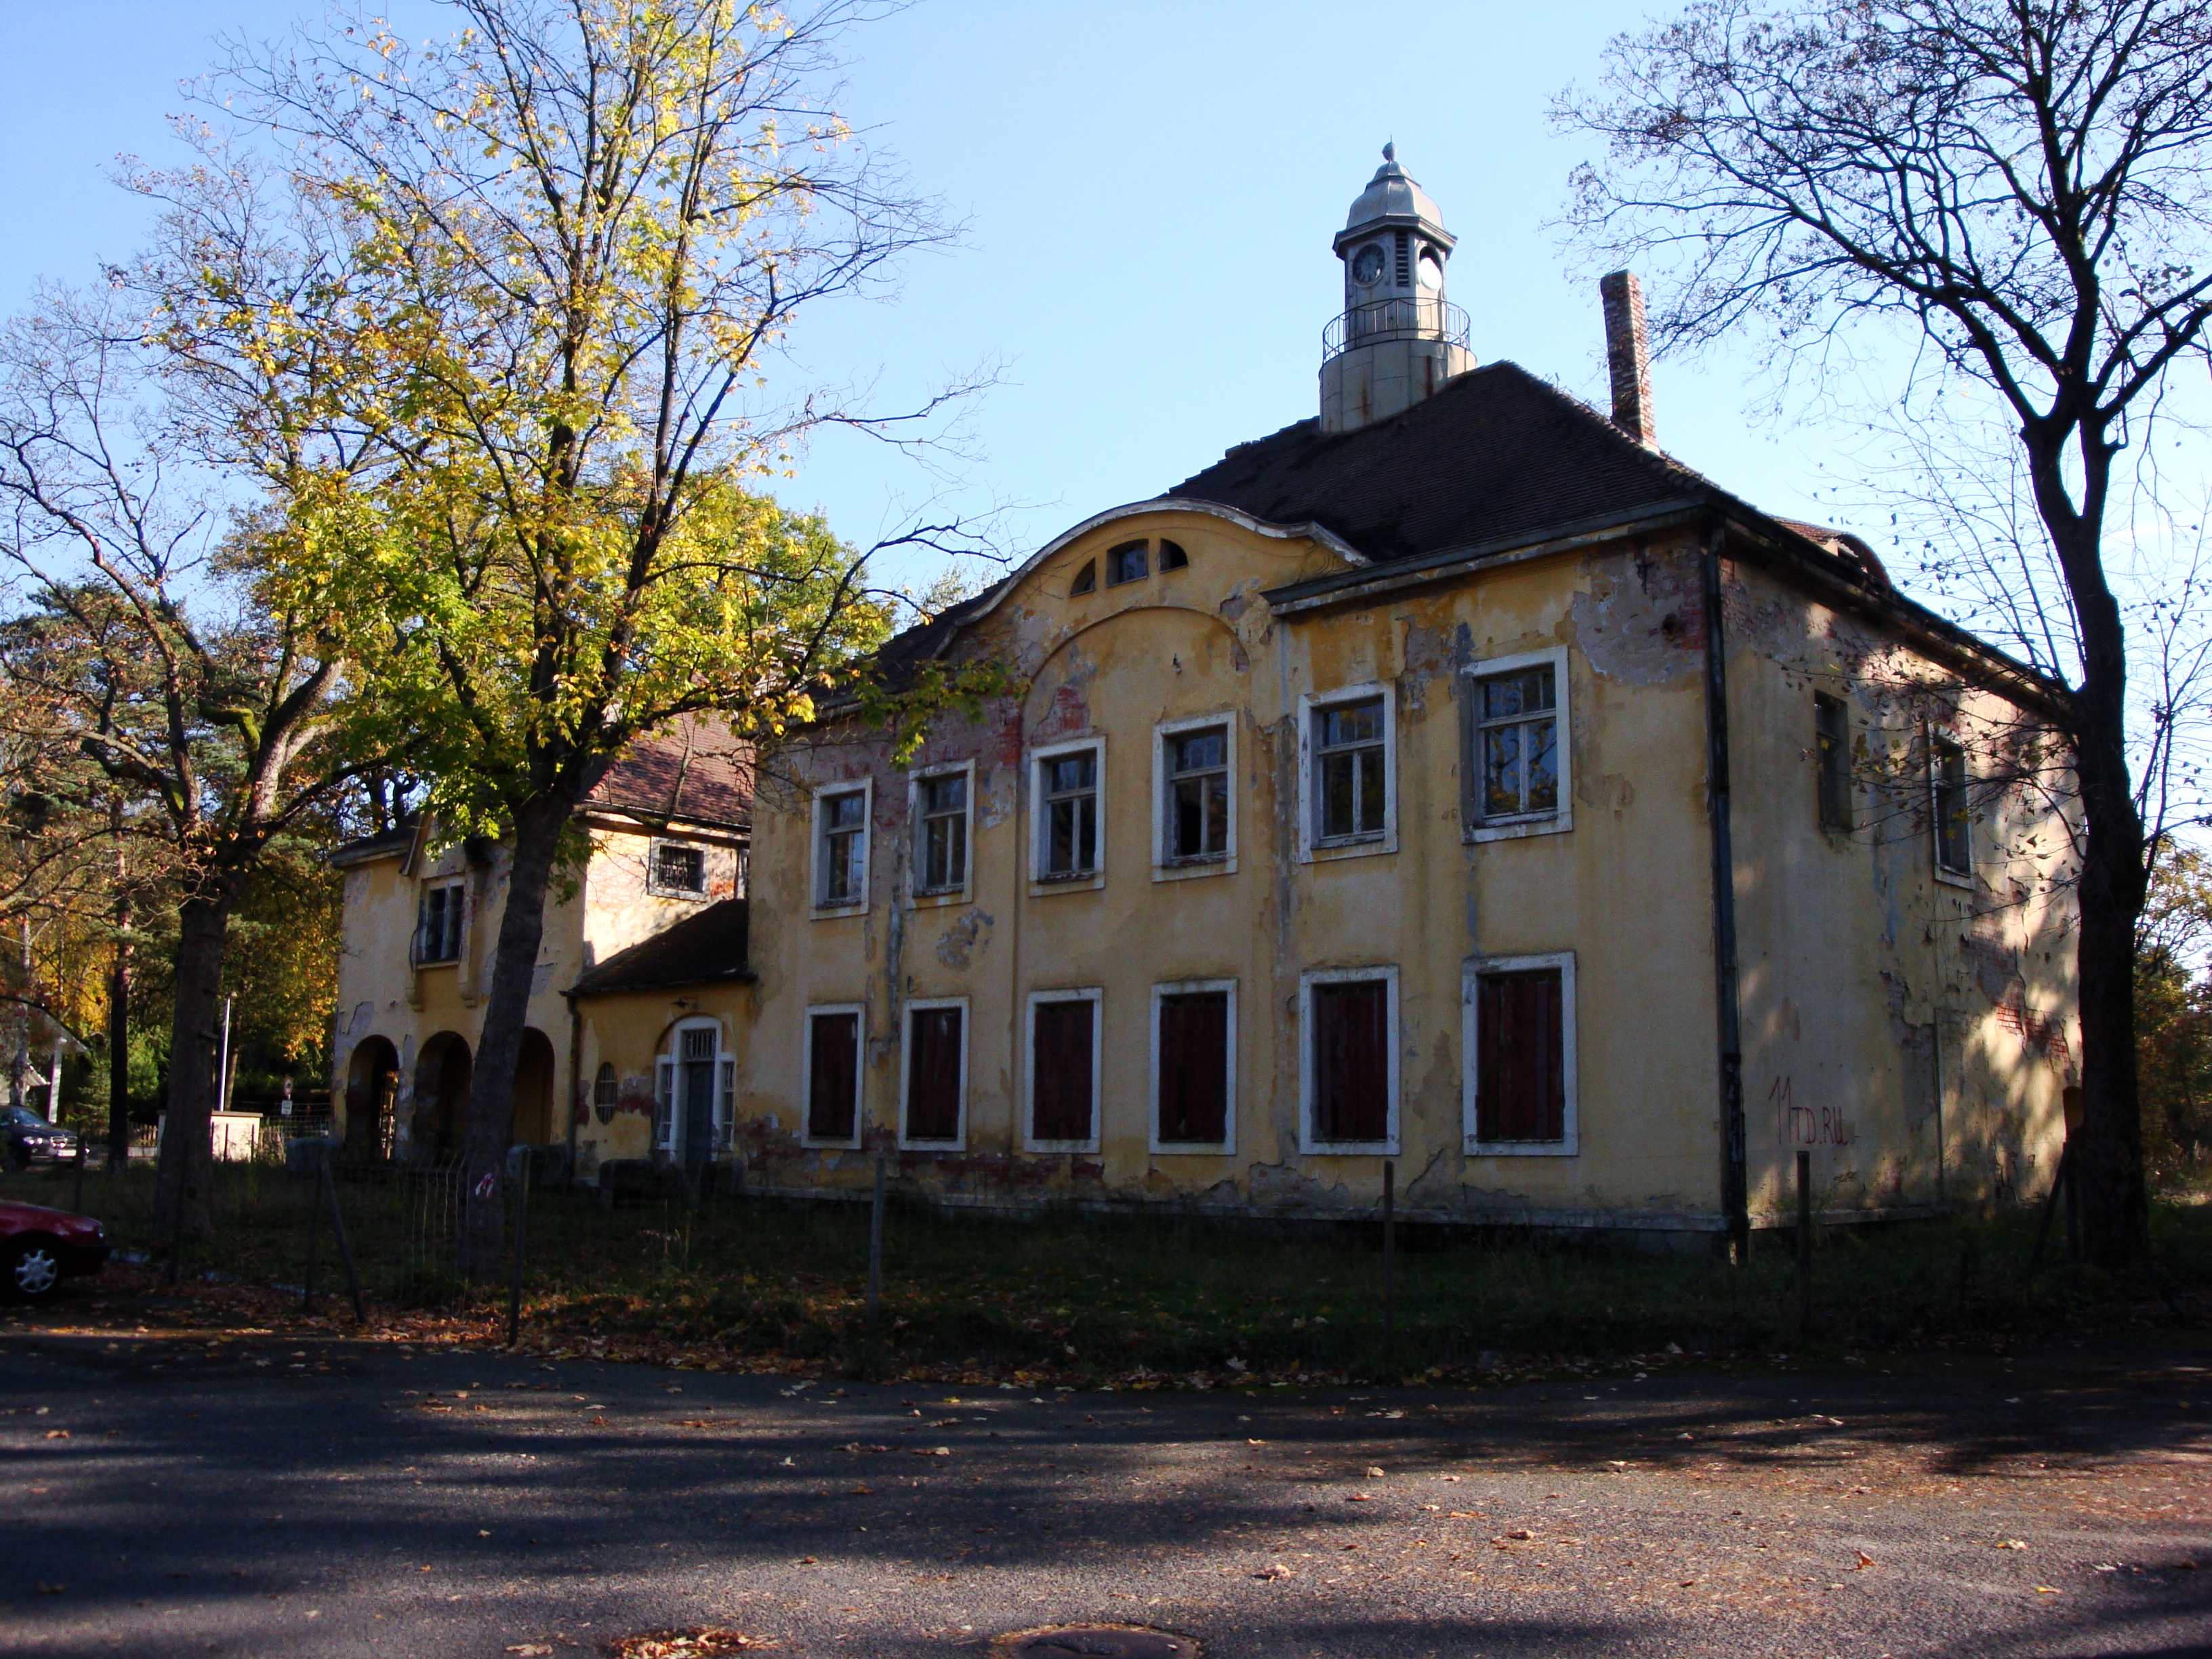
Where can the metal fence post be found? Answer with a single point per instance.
(875, 1241)
(1804, 1243)
(314, 1226)
(1389, 1260)
(521, 1238)
(329, 1185)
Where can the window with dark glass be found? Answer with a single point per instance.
(1069, 784)
(1125, 563)
(844, 845)
(438, 931)
(1198, 794)
(1832, 754)
(1516, 759)
(677, 869)
(1949, 767)
(1172, 557)
(1520, 1059)
(1351, 1040)
(943, 850)
(833, 1075)
(605, 1089)
(1349, 770)
(1193, 1062)
(1086, 580)
(932, 1075)
(1062, 1033)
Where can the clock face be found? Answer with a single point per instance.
(1432, 270)
(1367, 265)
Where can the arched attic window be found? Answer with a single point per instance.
(1086, 580)
(1172, 557)
(1127, 564)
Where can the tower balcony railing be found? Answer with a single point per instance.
(1405, 317)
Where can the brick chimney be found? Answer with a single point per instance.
(1628, 356)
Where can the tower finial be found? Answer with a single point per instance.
(1390, 150)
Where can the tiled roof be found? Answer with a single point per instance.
(1497, 453)
(700, 949)
(696, 769)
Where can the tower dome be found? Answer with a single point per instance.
(1399, 339)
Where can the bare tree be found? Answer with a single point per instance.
(2027, 184)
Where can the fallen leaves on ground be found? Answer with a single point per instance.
(700, 1644)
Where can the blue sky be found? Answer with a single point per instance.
(1149, 191)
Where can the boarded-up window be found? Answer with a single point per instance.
(833, 1075)
(1351, 1041)
(1520, 1057)
(1060, 1104)
(932, 1075)
(1193, 1062)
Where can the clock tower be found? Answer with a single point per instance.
(1399, 339)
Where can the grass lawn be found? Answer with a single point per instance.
(1138, 1300)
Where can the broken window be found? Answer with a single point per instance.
(1063, 1049)
(1067, 815)
(934, 1072)
(438, 929)
(1349, 1060)
(1832, 753)
(942, 855)
(1192, 1067)
(678, 869)
(1197, 766)
(1948, 779)
(1124, 563)
(1520, 1056)
(1516, 744)
(1350, 770)
(833, 1074)
(843, 852)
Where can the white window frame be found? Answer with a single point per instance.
(919, 896)
(653, 882)
(1476, 828)
(923, 1005)
(722, 1117)
(1165, 867)
(817, 871)
(859, 1013)
(1040, 820)
(1095, 996)
(1311, 704)
(1387, 972)
(1570, 1143)
(1226, 1147)
(1941, 738)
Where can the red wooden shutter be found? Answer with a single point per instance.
(1061, 1108)
(835, 1073)
(1520, 1075)
(1194, 1065)
(932, 1076)
(1352, 1060)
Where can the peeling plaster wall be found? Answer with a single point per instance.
(1626, 887)
(1894, 1023)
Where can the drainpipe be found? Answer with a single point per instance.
(576, 1079)
(1735, 1183)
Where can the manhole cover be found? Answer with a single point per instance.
(1096, 1642)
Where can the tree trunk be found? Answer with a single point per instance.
(118, 1041)
(180, 1193)
(490, 1121)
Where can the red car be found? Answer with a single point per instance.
(39, 1246)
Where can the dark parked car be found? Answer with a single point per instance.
(30, 1138)
(39, 1247)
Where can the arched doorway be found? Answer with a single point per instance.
(531, 1118)
(372, 1080)
(442, 1099)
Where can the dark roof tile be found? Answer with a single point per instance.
(700, 949)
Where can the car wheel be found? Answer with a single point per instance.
(33, 1270)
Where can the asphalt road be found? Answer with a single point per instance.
(167, 1493)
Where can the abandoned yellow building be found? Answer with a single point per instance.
(1451, 780)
